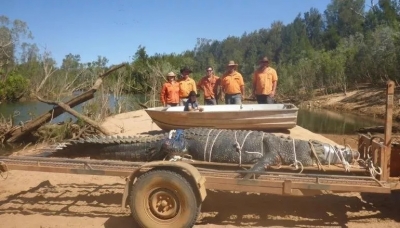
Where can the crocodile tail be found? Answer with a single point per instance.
(111, 147)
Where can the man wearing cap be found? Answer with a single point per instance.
(170, 91)
(186, 84)
(232, 85)
(264, 82)
(210, 84)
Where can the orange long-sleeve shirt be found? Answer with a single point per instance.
(209, 86)
(170, 93)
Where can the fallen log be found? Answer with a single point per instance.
(143, 106)
(68, 109)
(17, 133)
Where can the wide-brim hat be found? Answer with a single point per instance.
(232, 63)
(171, 74)
(186, 69)
(264, 60)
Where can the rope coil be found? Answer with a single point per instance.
(296, 162)
(239, 147)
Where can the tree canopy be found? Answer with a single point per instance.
(325, 51)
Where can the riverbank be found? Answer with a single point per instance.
(367, 101)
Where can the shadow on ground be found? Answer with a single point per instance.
(242, 209)
(219, 208)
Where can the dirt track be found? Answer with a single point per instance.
(59, 200)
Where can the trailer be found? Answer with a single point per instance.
(170, 193)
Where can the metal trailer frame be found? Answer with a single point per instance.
(229, 177)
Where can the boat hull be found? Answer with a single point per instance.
(238, 117)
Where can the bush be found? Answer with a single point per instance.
(13, 87)
(2, 91)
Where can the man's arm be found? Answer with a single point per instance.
(242, 91)
(274, 83)
(221, 89)
(241, 84)
(254, 87)
(162, 95)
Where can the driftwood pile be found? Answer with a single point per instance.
(5, 126)
(64, 131)
(16, 133)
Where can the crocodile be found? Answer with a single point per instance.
(123, 148)
(259, 148)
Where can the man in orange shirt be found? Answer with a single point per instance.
(264, 82)
(232, 85)
(186, 84)
(210, 84)
(170, 91)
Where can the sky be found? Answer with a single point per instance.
(115, 28)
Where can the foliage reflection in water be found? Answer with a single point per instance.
(332, 122)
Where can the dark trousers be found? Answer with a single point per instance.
(211, 101)
(265, 99)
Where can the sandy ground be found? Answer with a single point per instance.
(36, 199)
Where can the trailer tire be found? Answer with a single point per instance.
(163, 198)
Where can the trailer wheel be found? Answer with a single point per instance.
(163, 198)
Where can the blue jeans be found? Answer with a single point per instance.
(233, 98)
(265, 99)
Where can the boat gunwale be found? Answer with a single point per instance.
(162, 109)
(161, 117)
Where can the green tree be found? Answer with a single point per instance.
(11, 34)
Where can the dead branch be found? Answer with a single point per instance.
(76, 114)
(18, 132)
(143, 106)
(48, 71)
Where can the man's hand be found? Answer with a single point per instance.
(272, 93)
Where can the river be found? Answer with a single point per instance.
(324, 121)
(27, 110)
(317, 120)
